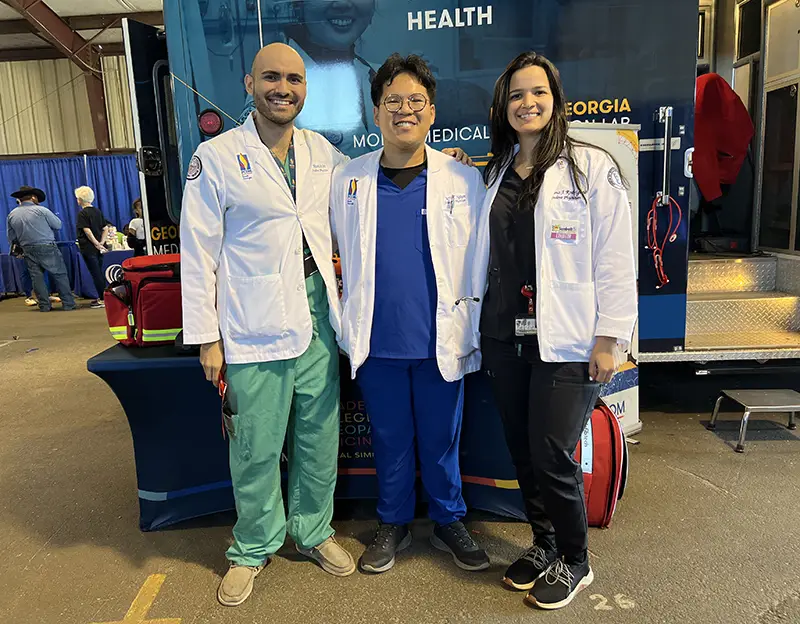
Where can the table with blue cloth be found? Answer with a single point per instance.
(11, 275)
(181, 455)
(81, 279)
(14, 277)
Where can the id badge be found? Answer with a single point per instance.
(525, 325)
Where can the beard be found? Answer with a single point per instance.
(282, 118)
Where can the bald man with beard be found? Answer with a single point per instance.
(260, 297)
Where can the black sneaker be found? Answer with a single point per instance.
(532, 564)
(389, 540)
(455, 539)
(559, 584)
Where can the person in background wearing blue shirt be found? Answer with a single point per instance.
(33, 228)
(405, 219)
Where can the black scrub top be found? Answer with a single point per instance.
(512, 262)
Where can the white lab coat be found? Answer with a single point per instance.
(241, 240)
(453, 201)
(586, 286)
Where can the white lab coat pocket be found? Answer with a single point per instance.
(461, 329)
(568, 247)
(572, 316)
(457, 225)
(256, 307)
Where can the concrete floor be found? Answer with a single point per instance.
(702, 535)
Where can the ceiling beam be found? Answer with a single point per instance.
(30, 54)
(85, 22)
(50, 53)
(16, 27)
(55, 30)
(111, 49)
(93, 22)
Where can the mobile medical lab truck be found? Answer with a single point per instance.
(629, 69)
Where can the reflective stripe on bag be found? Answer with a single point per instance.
(120, 333)
(159, 335)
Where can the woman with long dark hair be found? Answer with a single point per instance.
(555, 260)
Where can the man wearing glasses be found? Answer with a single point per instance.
(405, 218)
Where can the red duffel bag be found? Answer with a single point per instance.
(144, 306)
(603, 456)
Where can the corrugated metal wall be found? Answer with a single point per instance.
(118, 102)
(44, 107)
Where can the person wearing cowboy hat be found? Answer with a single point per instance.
(33, 228)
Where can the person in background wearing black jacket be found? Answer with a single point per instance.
(555, 259)
(92, 232)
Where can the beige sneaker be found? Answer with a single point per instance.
(237, 584)
(331, 557)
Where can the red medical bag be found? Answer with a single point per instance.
(144, 306)
(603, 456)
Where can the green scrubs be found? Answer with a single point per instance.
(298, 397)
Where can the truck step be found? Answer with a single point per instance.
(764, 340)
(734, 313)
(725, 274)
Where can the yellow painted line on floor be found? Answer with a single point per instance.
(142, 603)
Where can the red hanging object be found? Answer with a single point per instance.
(654, 245)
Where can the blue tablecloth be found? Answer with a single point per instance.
(14, 278)
(12, 272)
(82, 284)
(182, 458)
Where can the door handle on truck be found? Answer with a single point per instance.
(665, 117)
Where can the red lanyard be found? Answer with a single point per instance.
(527, 291)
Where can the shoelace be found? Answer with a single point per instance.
(559, 572)
(462, 535)
(537, 556)
(384, 535)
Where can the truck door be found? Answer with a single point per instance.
(156, 141)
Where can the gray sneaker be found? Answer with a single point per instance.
(331, 557)
(237, 584)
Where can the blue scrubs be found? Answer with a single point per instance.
(411, 406)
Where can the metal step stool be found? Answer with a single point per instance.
(755, 402)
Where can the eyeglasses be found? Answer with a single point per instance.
(416, 102)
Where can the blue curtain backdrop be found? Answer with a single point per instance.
(114, 179)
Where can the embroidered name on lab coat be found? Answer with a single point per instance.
(567, 195)
(451, 201)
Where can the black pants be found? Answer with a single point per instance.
(94, 262)
(544, 408)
